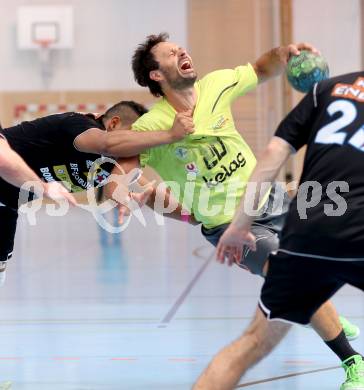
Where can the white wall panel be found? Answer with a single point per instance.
(106, 33)
(334, 26)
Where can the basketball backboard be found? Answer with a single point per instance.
(50, 26)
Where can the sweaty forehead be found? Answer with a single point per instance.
(163, 48)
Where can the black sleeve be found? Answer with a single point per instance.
(75, 124)
(296, 126)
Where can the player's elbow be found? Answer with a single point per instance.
(261, 73)
(270, 151)
(279, 148)
(5, 161)
(274, 156)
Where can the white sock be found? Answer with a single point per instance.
(2, 272)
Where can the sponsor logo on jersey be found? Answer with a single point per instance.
(101, 176)
(47, 174)
(213, 153)
(61, 173)
(89, 164)
(353, 91)
(181, 153)
(220, 123)
(192, 168)
(227, 170)
(79, 179)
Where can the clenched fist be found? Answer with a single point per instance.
(182, 125)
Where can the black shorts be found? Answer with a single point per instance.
(266, 228)
(296, 286)
(8, 220)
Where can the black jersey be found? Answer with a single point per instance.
(330, 121)
(47, 146)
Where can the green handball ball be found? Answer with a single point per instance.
(306, 69)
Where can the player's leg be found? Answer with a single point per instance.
(352, 273)
(267, 228)
(287, 295)
(8, 218)
(227, 367)
(256, 262)
(326, 321)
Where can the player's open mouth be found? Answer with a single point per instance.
(186, 66)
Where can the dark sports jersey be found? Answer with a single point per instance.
(330, 120)
(47, 146)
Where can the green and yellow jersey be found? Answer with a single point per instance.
(207, 170)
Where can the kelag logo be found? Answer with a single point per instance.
(226, 171)
(213, 155)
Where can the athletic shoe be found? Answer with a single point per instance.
(354, 370)
(351, 331)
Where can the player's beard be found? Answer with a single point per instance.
(180, 83)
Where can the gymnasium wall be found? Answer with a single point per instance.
(334, 27)
(97, 71)
(106, 33)
(218, 34)
(18, 106)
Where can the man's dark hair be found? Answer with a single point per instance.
(125, 110)
(143, 63)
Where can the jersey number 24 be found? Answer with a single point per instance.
(331, 134)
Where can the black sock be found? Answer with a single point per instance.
(341, 347)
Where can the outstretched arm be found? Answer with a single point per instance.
(13, 168)
(129, 143)
(15, 171)
(273, 63)
(237, 235)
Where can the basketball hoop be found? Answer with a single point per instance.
(43, 43)
(45, 29)
(44, 46)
